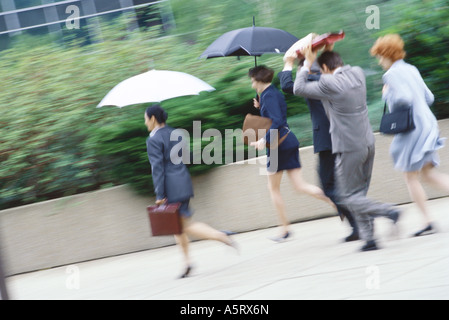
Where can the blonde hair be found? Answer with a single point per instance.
(390, 46)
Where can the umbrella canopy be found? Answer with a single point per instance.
(154, 86)
(252, 41)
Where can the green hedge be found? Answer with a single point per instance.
(55, 142)
(424, 27)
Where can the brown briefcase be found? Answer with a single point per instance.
(165, 219)
(253, 125)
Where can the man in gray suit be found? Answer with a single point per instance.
(342, 90)
(322, 143)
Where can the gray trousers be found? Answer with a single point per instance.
(353, 176)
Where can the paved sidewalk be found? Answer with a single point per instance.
(315, 264)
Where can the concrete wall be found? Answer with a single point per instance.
(114, 221)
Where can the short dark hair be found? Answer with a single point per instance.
(261, 74)
(157, 111)
(331, 59)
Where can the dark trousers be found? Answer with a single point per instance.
(326, 172)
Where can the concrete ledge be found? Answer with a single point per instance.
(114, 221)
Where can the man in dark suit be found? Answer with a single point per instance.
(322, 143)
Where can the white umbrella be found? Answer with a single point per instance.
(154, 86)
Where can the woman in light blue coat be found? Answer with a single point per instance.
(415, 152)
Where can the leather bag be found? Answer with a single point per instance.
(165, 219)
(256, 127)
(398, 121)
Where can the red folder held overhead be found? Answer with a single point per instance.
(324, 39)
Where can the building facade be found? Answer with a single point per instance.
(55, 15)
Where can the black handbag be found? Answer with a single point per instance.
(398, 121)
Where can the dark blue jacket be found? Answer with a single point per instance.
(321, 136)
(171, 179)
(273, 106)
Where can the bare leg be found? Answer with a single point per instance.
(436, 179)
(417, 193)
(303, 186)
(183, 241)
(274, 186)
(203, 231)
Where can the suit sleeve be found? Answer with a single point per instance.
(318, 90)
(397, 92)
(272, 110)
(430, 98)
(286, 79)
(156, 157)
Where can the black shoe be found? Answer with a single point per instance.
(369, 246)
(354, 236)
(281, 238)
(426, 231)
(186, 273)
(394, 216)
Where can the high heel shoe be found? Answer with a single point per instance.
(426, 231)
(230, 242)
(228, 233)
(186, 273)
(281, 238)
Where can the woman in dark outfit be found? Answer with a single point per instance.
(286, 156)
(172, 182)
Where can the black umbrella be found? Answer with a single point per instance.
(252, 41)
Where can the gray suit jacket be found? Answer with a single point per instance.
(171, 180)
(343, 95)
(321, 136)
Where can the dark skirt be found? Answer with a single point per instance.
(286, 159)
(184, 210)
